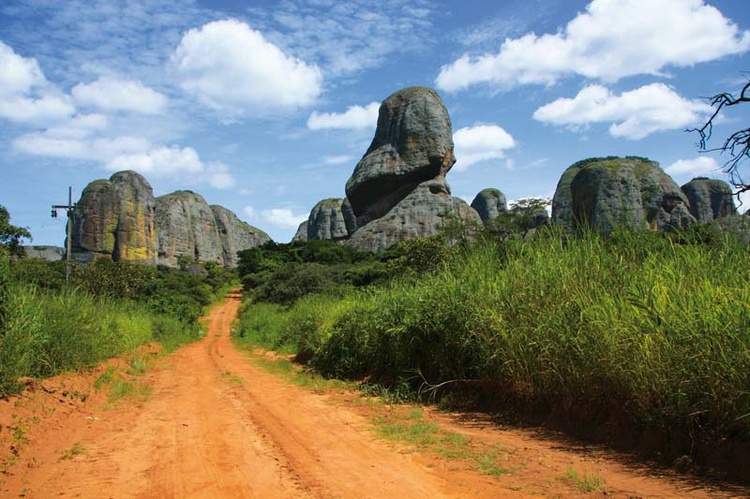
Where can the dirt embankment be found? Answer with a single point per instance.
(216, 425)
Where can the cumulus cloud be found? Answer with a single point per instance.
(480, 143)
(25, 94)
(234, 69)
(174, 161)
(112, 94)
(18, 75)
(692, 167)
(284, 218)
(634, 114)
(55, 145)
(598, 44)
(354, 118)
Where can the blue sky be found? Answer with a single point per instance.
(266, 107)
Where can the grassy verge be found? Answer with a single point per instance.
(637, 327)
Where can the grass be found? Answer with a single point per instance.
(646, 325)
(585, 483)
(77, 449)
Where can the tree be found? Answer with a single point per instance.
(10, 235)
(737, 144)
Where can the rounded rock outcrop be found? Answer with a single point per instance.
(413, 143)
(326, 221)
(603, 193)
(489, 203)
(709, 199)
(116, 218)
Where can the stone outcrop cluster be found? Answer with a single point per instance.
(603, 193)
(121, 219)
(398, 189)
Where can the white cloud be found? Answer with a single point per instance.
(354, 118)
(480, 143)
(45, 110)
(234, 69)
(692, 167)
(174, 161)
(76, 147)
(610, 40)
(111, 94)
(284, 218)
(18, 75)
(634, 114)
(25, 94)
(337, 160)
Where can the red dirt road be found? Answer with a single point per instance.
(216, 425)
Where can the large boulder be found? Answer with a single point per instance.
(422, 213)
(49, 253)
(235, 235)
(116, 219)
(737, 226)
(326, 221)
(301, 235)
(709, 199)
(489, 203)
(187, 228)
(413, 143)
(136, 237)
(603, 193)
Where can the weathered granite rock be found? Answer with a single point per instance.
(489, 203)
(49, 253)
(301, 235)
(606, 192)
(235, 235)
(187, 227)
(135, 236)
(326, 221)
(350, 219)
(116, 219)
(413, 143)
(709, 199)
(422, 213)
(736, 225)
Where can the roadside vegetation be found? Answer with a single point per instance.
(647, 331)
(109, 308)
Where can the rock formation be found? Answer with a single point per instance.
(301, 235)
(709, 199)
(235, 235)
(606, 192)
(735, 225)
(49, 253)
(326, 221)
(489, 203)
(120, 219)
(398, 190)
(413, 143)
(187, 228)
(422, 213)
(115, 219)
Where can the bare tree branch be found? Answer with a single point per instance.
(737, 145)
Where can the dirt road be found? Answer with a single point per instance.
(216, 425)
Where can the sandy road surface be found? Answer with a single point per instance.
(218, 426)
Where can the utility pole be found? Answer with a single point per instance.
(70, 207)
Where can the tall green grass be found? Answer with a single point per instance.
(44, 332)
(635, 323)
